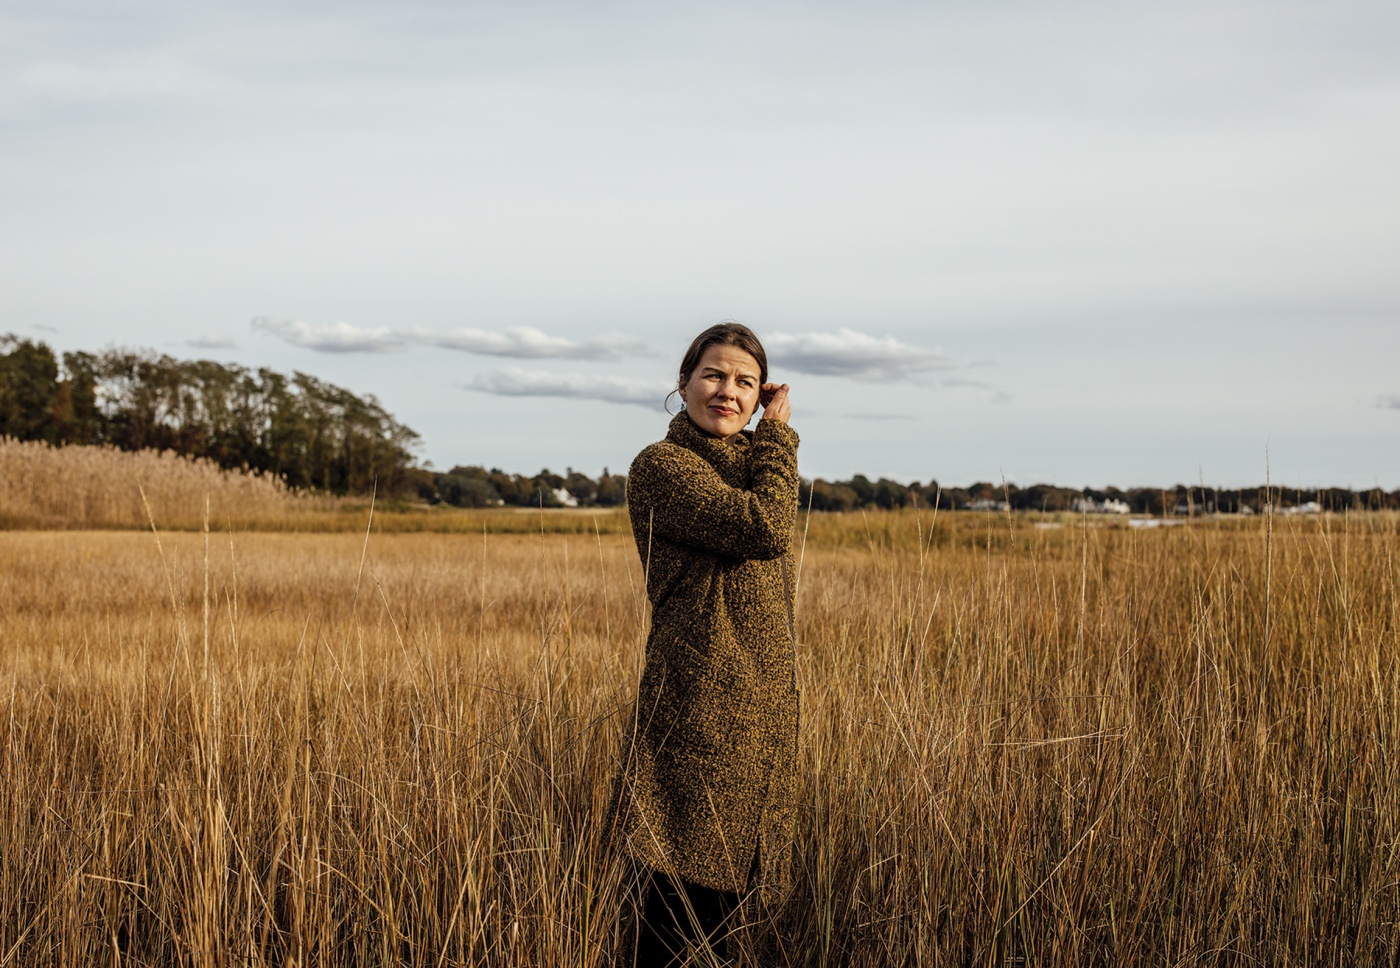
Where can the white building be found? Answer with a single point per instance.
(1107, 506)
(988, 504)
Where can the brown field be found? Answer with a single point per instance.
(77, 488)
(1083, 745)
(102, 487)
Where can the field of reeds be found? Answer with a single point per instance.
(79, 487)
(101, 487)
(1071, 745)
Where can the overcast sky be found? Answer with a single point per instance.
(1080, 242)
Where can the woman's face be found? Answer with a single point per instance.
(722, 394)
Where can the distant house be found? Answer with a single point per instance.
(565, 498)
(988, 504)
(1108, 505)
(1307, 507)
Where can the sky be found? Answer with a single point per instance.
(1087, 243)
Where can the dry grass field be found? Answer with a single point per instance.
(101, 487)
(1022, 746)
(77, 487)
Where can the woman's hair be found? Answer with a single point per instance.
(723, 334)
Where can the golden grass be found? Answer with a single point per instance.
(84, 488)
(79, 487)
(100, 487)
(1057, 747)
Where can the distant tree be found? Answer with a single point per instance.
(1043, 497)
(1339, 499)
(80, 416)
(580, 487)
(955, 497)
(823, 495)
(865, 491)
(467, 487)
(890, 494)
(934, 495)
(309, 432)
(1375, 499)
(29, 390)
(612, 489)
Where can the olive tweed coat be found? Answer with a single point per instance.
(708, 783)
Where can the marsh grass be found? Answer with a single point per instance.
(79, 487)
(1087, 745)
(100, 487)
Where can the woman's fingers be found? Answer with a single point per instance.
(776, 407)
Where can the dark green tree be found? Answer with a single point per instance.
(29, 390)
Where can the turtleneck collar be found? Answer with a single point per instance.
(728, 455)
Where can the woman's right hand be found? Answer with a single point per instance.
(774, 397)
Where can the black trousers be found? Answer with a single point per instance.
(675, 915)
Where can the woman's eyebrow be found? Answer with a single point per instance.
(740, 373)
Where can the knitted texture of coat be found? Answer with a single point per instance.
(708, 783)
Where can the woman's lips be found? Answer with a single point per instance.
(724, 411)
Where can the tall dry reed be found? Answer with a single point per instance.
(101, 487)
(79, 487)
(1083, 745)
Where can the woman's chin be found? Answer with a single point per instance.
(718, 426)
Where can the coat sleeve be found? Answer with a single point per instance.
(686, 502)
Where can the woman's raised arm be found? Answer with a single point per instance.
(685, 500)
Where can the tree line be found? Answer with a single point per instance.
(317, 436)
(310, 433)
(477, 487)
(862, 493)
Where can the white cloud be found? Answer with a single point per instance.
(336, 338)
(212, 342)
(515, 382)
(528, 343)
(520, 342)
(851, 354)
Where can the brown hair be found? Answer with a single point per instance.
(723, 334)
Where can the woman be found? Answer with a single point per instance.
(705, 795)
